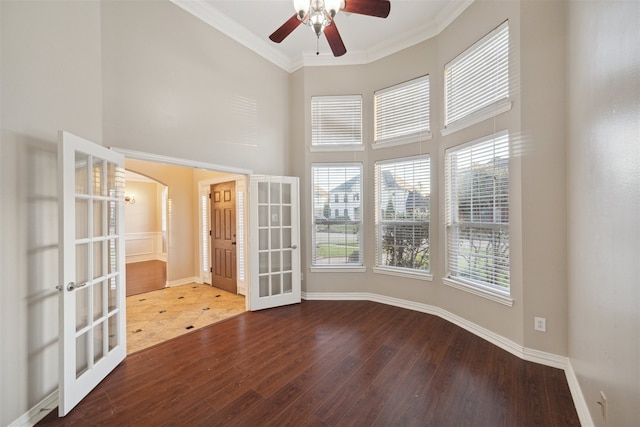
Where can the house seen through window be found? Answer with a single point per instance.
(403, 200)
(337, 223)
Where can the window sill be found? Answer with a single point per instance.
(334, 148)
(476, 290)
(478, 116)
(337, 269)
(402, 273)
(402, 141)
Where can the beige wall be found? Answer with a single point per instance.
(142, 216)
(175, 86)
(50, 80)
(603, 219)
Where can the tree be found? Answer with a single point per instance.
(405, 236)
(326, 210)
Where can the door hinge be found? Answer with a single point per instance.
(209, 232)
(209, 195)
(210, 269)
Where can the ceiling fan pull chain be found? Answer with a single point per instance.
(318, 46)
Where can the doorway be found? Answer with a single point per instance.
(185, 301)
(145, 216)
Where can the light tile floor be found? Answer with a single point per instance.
(157, 316)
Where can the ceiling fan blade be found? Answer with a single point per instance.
(379, 8)
(286, 29)
(334, 39)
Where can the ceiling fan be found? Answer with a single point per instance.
(320, 14)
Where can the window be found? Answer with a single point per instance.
(403, 190)
(336, 234)
(402, 112)
(477, 213)
(477, 81)
(336, 121)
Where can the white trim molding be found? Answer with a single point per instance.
(183, 281)
(578, 398)
(38, 412)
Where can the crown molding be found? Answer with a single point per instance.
(204, 11)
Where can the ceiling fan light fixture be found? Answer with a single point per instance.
(332, 6)
(319, 15)
(301, 7)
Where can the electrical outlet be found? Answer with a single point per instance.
(540, 324)
(603, 405)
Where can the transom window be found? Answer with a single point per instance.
(477, 81)
(336, 121)
(402, 112)
(337, 223)
(477, 213)
(403, 200)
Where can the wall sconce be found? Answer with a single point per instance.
(131, 199)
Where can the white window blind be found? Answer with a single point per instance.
(204, 232)
(403, 199)
(478, 78)
(336, 120)
(337, 223)
(402, 112)
(477, 213)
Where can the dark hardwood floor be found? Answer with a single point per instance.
(327, 363)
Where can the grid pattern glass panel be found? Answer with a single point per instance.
(479, 77)
(403, 200)
(477, 213)
(402, 112)
(336, 120)
(337, 223)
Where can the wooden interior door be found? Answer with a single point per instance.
(223, 236)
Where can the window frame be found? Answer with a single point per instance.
(386, 111)
(380, 222)
(490, 291)
(486, 110)
(356, 205)
(342, 104)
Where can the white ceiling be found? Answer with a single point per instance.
(366, 38)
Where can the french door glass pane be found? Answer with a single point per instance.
(82, 212)
(97, 259)
(264, 286)
(98, 342)
(276, 286)
(82, 354)
(287, 283)
(98, 215)
(82, 308)
(97, 178)
(112, 334)
(98, 300)
(81, 181)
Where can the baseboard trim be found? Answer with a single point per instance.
(184, 281)
(38, 412)
(578, 398)
(528, 354)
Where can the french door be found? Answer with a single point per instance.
(275, 241)
(92, 280)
